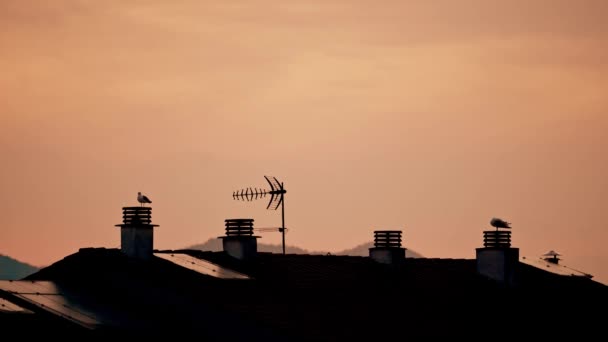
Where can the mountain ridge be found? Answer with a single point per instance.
(13, 269)
(215, 245)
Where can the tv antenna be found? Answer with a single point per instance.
(277, 198)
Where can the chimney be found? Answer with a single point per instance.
(137, 232)
(387, 247)
(239, 241)
(497, 260)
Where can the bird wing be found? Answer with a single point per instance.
(146, 199)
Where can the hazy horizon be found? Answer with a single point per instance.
(428, 117)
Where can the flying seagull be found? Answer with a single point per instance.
(142, 199)
(498, 223)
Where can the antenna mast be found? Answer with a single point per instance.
(277, 198)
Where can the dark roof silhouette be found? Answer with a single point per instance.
(317, 298)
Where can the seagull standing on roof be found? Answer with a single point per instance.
(142, 199)
(498, 223)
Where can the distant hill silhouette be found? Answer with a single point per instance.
(215, 245)
(363, 250)
(11, 269)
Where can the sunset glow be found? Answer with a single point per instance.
(427, 116)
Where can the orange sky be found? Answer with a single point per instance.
(426, 116)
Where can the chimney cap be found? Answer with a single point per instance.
(239, 227)
(136, 216)
(497, 239)
(387, 238)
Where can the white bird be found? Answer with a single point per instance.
(498, 223)
(142, 199)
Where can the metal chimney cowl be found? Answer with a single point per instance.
(239, 241)
(387, 247)
(137, 232)
(497, 260)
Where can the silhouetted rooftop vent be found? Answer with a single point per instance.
(136, 216)
(239, 241)
(552, 256)
(387, 238)
(239, 227)
(137, 232)
(497, 260)
(497, 239)
(387, 247)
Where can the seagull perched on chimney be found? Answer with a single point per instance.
(498, 223)
(142, 199)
